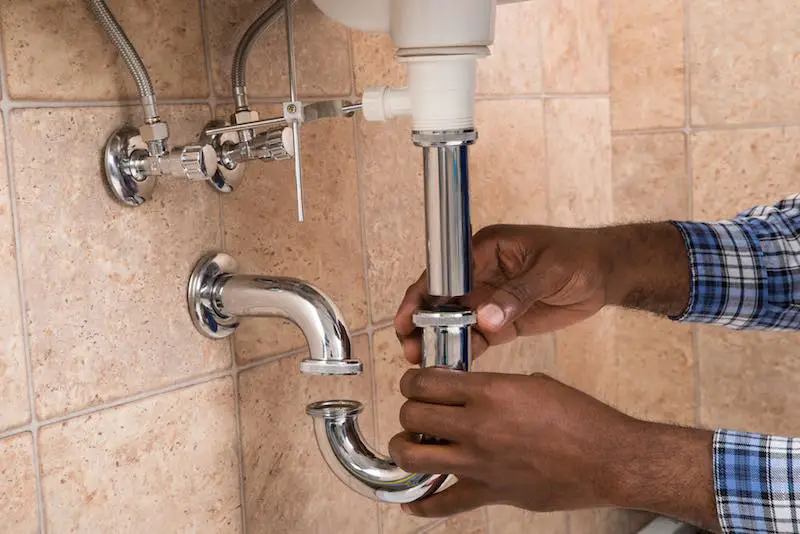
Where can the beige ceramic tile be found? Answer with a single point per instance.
(656, 368)
(515, 66)
(749, 381)
(390, 169)
(587, 356)
(607, 521)
(76, 61)
(263, 233)
(164, 464)
(18, 486)
(374, 61)
(745, 69)
(389, 368)
(288, 486)
(321, 48)
(735, 170)
(508, 520)
(650, 182)
(14, 404)
(655, 360)
(107, 314)
(647, 64)
(473, 522)
(524, 356)
(579, 161)
(579, 175)
(575, 44)
(508, 178)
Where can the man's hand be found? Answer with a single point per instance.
(535, 279)
(534, 443)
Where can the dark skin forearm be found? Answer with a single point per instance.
(648, 267)
(668, 470)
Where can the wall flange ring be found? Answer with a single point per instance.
(125, 185)
(200, 295)
(226, 179)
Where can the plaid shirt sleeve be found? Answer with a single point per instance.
(757, 481)
(745, 273)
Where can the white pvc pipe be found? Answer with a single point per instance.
(442, 90)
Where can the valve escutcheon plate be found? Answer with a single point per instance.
(201, 295)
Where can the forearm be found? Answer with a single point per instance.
(648, 267)
(669, 471)
(742, 273)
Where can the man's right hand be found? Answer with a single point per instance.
(536, 279)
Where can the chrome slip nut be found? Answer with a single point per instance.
(157, 131)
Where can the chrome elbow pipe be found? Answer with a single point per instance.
(219, 297)
(357, 465)
(445, 343)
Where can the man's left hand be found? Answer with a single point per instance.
(535, 443)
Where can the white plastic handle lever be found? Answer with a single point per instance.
(294, 108)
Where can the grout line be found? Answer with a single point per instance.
(37, 104)
(240, 368)
(648, 131)
(382, 325)
(16, 431)
(373, 362)
(687, 87)
(546, 176)
(9, 105)
(367, 295)
(616, 386)
(610, 59)
(430, 526)
(144, 395)
(351, 57)
(5, 109)
(238, 424)
(212, 95)
(741, 126)
(687, 65)
(234, 368)
(540, 96)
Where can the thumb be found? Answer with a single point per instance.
(465, 495)
(513, 299)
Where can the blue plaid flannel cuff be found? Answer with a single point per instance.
(757, 482)
(728, 279)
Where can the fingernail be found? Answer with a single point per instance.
(492, 315)
(406, 508)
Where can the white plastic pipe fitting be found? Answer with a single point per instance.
(380, 104)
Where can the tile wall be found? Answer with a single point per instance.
(115, 416)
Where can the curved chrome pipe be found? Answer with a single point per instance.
(219, 298)
(357, 465)
(445, 343)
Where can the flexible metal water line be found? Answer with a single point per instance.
(239, 69)
(135, 64)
